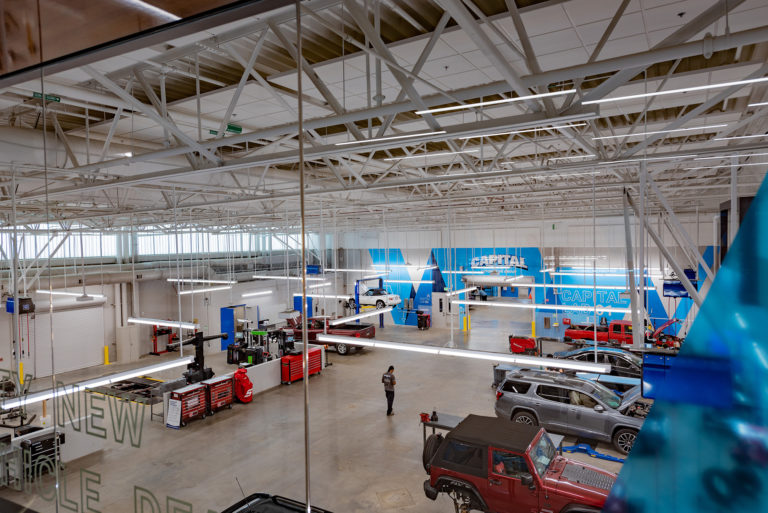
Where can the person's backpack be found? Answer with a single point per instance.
(243, 386)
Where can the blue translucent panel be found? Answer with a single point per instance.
(704, 446)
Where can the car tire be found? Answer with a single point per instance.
(342, 349)
(623, 439)
(380, 304)
(430, 448)
(524, 417)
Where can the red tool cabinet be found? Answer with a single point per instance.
(219, 392)
(193, 402)
(292, 369)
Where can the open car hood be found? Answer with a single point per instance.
(629, 397)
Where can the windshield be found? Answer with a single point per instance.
(606, 396)
(634, 359)
(542, 454)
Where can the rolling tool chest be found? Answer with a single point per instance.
(193, 402)
(291, 365)
(220, 392)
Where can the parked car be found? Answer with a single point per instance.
(265, 503)
(378, 298)
(320, 325)
(617, 332)
(623, 363)
(492, 465)
(571, 406)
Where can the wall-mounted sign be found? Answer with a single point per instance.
(499, 261)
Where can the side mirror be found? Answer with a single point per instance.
(527, 480)
(599, 408)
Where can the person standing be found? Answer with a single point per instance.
(389, 388)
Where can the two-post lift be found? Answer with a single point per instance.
(357, 297)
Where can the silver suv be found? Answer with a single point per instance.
(571, 406)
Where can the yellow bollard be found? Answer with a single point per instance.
(106, 355)
(21, 373)
(533, 329)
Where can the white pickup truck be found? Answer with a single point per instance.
(378, 298)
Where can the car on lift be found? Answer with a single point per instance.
(572, 406)
(265, 503)
(492, 465)
(379, 298)
(624, 364)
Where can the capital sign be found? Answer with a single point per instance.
(499, 260)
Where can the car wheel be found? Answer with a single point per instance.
(342, 349)
(524, 417)
(379, 304)
(623, 440)
(430, 448)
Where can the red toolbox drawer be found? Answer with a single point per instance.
(292, 368)
(194, 403)
(220, 392)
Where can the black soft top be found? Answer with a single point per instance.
(496, 432)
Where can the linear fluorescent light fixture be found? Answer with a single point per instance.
(585, 156)
(347, 270)
(319, 285)
(208, 282)
(256, 293)
(523, 361)
(73, 294)
(640, 134)
(759, 104)
(204, 289)
(372, 276)
(295, 278)
(414, 282)
(438, 154)
(495, 102)
(460, 291)
(515, 132)
(587, 287)
(363, 315)
(93, 383)
(726, 165)
(601, 275)
(732, 156)
(649, 159)
(390, 138)
(677, 91)
(756, 136)
(534, 306)
(163, 322)
(325, 296)
(462, 272)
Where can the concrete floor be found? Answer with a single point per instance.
(362, 460)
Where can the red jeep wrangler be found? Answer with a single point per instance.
(496, 466)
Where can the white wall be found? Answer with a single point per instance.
(79, 335)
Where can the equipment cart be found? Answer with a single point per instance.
(193, 402)
(219, 392)
(292, 369)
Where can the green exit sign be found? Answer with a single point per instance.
(235, 129)
(48, 97)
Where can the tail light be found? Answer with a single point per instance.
(357, 335)
(499, 393)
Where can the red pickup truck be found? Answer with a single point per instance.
(320, 325)
(618, 332)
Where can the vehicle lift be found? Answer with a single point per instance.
(357, 297)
